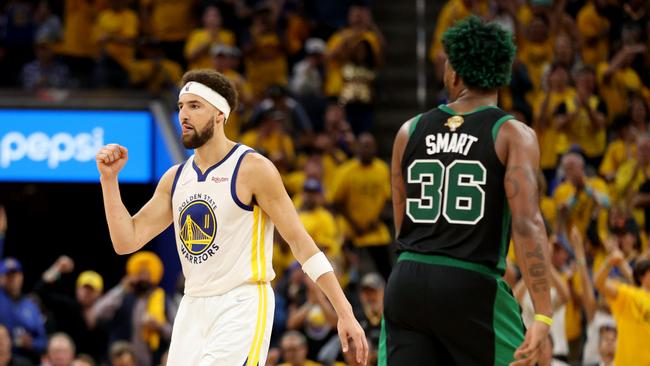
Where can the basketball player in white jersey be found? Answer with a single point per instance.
(224, 202)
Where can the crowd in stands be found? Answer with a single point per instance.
(305, 72)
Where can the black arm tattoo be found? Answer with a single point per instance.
(516, 176)
(538, 270)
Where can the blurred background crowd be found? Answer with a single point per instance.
(306, 74)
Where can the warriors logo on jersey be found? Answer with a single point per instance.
(198, 228)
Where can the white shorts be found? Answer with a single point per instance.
(229, 329)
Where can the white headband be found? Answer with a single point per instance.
(214, 98)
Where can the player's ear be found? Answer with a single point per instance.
(455, 78)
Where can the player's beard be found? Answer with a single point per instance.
(199, 138)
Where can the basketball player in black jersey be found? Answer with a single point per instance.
(462, 175)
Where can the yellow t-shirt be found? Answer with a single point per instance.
(282, 259)
(615, 92)
(331, 165)
(451, 12)
(79, 20)
(363, 192)
(199, 38)
(592, 27)
(631, 310)
(573, 312)
(627, 183)
(232, 129)
(536, 56)
(155, 75)
(297, 32)
(581, 130)
(266, 65)
(618, 153)
(321, 226)
(333, 77)
(626, 180)
(582, 205)
(276, 143)
(549, 209)
(171, 20)
(122, 24)
(551, 141)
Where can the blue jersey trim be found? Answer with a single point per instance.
(233, 183)
(202, 176)
(176, 176)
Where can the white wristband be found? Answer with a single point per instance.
(316, 266)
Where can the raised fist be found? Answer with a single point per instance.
(64, 264)
(111, 159)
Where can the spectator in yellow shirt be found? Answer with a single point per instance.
(620, 150)
(632, 176)
(153, 71)
(77, 49)
(360, 27)
(630, 306)
(545, 103)
(579, 197)
(583, 118)
(593, 25)
(451, 12)
(270, 140)
(357, 91)
(169, 22)
(294, 181)
(265, 56)
(225, 59)
(318, 221)
(200, 41)
(360, 192)
(115, 32)
(617, 80)
(297, 123)
(537, 48)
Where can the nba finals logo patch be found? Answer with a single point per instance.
(198, 228)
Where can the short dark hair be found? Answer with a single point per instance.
(215, 81)
(481, 53)
(641, 266)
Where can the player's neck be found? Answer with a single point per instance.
(468, 100)
(213, 151)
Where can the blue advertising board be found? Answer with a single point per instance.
(60, 145)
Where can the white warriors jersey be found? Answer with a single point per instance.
(222, 242)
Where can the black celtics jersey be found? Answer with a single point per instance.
(456, 204)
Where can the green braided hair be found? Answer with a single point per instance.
(481, 53)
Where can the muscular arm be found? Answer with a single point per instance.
(396, 179)
(259, 179)
(130, 233)
(604, 285)
(267, 188)
(529, 234)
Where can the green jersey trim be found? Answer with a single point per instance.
(448, 261)
(414, 124)
(445, 108)
(498, 124)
